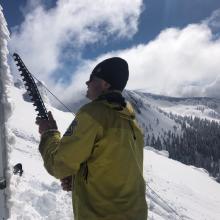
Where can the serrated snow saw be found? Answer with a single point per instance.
(31, 87)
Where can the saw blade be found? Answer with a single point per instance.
(31, 87)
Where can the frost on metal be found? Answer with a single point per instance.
(5, 112)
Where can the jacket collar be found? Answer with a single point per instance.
(114, 100)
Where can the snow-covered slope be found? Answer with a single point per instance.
(150, 116)
(35, 195)
(185, 192)
(203, 107)
(186, 189)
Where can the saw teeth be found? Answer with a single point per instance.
(31, 87)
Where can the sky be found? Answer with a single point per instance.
(172, 47)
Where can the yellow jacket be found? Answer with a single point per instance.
(103, 149)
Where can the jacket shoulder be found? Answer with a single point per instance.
(92, 107)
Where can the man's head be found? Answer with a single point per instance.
(110, 74)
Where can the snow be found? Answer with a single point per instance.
(151, 116)
(5, 110)
(185, 192)
(5, 75)
(206, 108)
(188, 190)
(36, 193)
(192, 110)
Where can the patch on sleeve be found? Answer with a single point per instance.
(70, 130)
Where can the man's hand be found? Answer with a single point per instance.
(45, 125)
(66, 183)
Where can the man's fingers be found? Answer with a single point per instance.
(66, 183)
(40, 120)
(66, 187)
(50, 116)
(67, 179)
(37, 120)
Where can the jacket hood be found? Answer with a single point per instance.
(115, 100)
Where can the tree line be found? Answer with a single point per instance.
(197, 144)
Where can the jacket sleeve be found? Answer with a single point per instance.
(62, 156)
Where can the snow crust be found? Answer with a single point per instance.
(5, 75)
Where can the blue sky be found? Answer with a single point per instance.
(156, 16)
(163, 40)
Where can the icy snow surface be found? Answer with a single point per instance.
(5, 108)
(188, 191)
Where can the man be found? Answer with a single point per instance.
(102, 150)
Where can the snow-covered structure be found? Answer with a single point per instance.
(5, 112)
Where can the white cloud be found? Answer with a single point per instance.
(214, 21)
(177, 63)
(44, 33)
(174, 62)
(213, 89)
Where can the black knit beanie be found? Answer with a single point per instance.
(114, 71)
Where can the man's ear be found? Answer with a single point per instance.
(106, 85)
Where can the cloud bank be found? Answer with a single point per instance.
(179, 62)
(45, 35)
